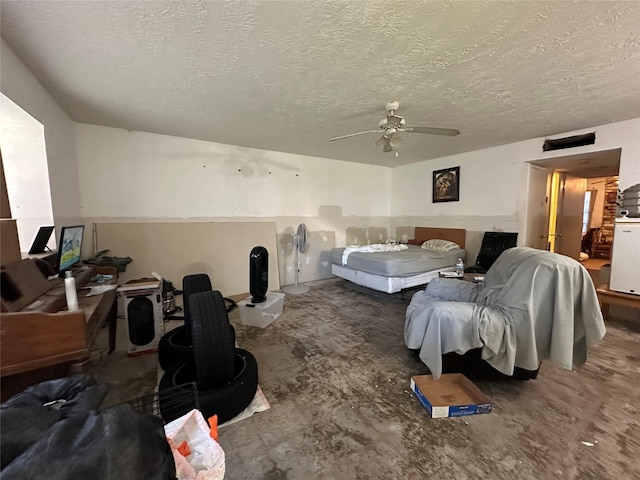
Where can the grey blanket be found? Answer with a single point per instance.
(532, 305)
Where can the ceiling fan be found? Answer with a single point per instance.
(394, 124)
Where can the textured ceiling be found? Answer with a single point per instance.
(288, 76)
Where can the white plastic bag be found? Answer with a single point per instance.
(206, 460)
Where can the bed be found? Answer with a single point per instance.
(393, 271)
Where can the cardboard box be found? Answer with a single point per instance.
(452, 395)
(261, 314)
(140, 284)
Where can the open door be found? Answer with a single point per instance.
(569, 217)
(537, 223)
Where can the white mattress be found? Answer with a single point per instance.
(413, 261)
(383, 283)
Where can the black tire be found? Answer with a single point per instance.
(191, 284)
(213, 339)
(226, 401)
(177, 344)
(173, 347)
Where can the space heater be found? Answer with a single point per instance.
(143, 314)
(258, 274)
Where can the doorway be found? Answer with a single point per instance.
(558, 218)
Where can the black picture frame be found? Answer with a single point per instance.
(446, 185)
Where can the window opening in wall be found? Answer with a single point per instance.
(589, 204)
(26, 172)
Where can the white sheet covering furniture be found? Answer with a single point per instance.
(532, 305)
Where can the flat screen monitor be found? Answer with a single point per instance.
(40, 242)
(70, 247)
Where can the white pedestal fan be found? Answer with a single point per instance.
(300, 246)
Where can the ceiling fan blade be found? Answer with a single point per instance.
(354, 134)
(450, 132)
(387, 146)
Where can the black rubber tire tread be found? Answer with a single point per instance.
(191, 284)
(178, 344)
(173, 347)
(213, 339)
(226, 401)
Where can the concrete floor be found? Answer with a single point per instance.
(336, 373)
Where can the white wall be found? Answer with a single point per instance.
(26, 171)
(128, 176)
(22, 87)
(493, 182)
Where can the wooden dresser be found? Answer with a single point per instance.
(39, 338)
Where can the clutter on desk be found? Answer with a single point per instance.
(100, 289)
(101, 278)
(102, 260)
(451, 275)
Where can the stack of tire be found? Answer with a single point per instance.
(203, 351)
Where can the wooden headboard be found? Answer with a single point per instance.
(457, 235)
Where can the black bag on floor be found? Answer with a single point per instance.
(114, 444)
(26, 417)
(70, 395)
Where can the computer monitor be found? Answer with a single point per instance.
(40, 242)
(70, 247)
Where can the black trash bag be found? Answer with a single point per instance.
(117, 443)
(70, 395)
(25, 417)
(21, 428)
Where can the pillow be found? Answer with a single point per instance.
(415, 241)
(440, 245)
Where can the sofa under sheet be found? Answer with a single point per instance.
(533, 305)
(412, 261)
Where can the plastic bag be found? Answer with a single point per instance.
(204, 459)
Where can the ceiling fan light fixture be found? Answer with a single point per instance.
(395, 141)
(392, 125)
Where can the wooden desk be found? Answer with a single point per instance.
(609, 297)
(39, 338)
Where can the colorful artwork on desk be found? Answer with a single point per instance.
(70, 246)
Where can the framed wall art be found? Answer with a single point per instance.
(446, 185)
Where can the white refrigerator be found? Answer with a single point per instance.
(625, 261)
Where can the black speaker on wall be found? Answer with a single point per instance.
(141, 321)
(258, 274)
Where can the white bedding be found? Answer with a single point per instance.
(373, 248)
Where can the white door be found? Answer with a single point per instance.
(537, 217)
(569, 218)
